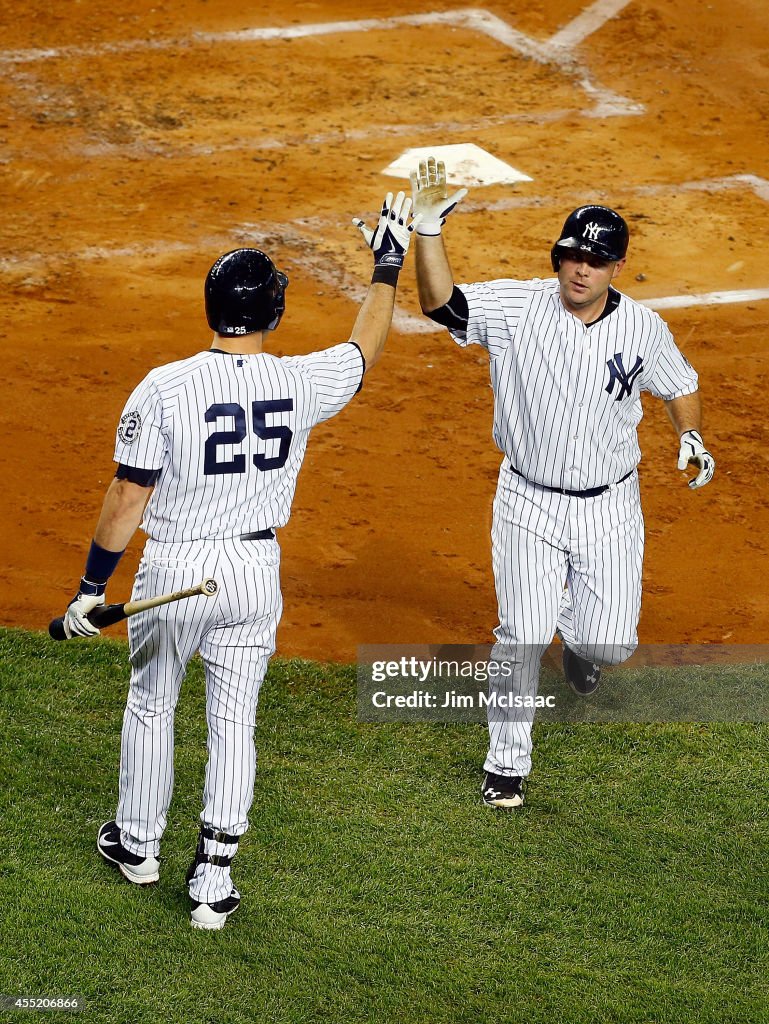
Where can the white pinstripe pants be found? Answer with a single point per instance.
(560, 562)
(235, 634)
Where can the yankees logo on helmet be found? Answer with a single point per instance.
(595, 229)
(591, 231)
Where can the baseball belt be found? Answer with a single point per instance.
(591, 492)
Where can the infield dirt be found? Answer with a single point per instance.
(127, 171)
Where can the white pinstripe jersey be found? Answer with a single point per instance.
(228, 434)
(567, 397)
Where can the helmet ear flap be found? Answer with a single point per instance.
(555, 258)
(279, 300)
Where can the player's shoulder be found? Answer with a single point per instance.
(281, 367)
(640, 313)
(512, 285)
(543, 284)
(511, 292)
(178, 369)
(341, 355)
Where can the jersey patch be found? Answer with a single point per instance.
(129, 427)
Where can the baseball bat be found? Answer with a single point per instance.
(109, 614)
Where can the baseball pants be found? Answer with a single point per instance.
(235, 635)
(560, 563)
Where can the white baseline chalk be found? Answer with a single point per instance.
(707, 299)
(589, 21)
(608, 103)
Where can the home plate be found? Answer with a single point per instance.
(466, 164)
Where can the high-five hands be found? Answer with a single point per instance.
(693, 451)
(430, 196)
(389, 241)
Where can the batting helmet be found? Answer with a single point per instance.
(594, 229)
(244, 293)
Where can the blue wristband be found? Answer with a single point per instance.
(100, 564)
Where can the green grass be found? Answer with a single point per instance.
(633, 886)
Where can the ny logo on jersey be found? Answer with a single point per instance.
(618, 374)
(592, 230)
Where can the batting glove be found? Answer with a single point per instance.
(90, 596)
(693, 451)
(429, 193)
(389, 241)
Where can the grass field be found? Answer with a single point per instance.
(633, 886)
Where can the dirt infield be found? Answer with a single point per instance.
(136, 148)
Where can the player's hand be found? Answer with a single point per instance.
(390, 240)
(90, 596)
(693, 451)
(430, 196)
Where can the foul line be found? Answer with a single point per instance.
(759, 186)
(465, 17)
(752, 182)
(707, 299)
(555, 51)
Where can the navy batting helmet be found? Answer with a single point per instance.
(244, 293)
(594, 229)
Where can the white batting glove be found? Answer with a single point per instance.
(75, 621)
(390, 240)
(693, 451)
(430, 196)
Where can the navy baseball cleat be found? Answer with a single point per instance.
(583, 676)
(138, 870)
(502, 790)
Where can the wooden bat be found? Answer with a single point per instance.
(109, 614)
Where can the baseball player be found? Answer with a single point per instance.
(208, 452)
(569, 357)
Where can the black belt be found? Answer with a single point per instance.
(591, 492)
(259, 535)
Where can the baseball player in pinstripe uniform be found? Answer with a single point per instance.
(215, 442)
(569, 357)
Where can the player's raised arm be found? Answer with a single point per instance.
(433, 204)
(389, 242)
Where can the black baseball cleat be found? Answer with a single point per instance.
(583, 676)
(138, 870)
(502, 790)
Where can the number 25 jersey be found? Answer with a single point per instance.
(224, 436)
